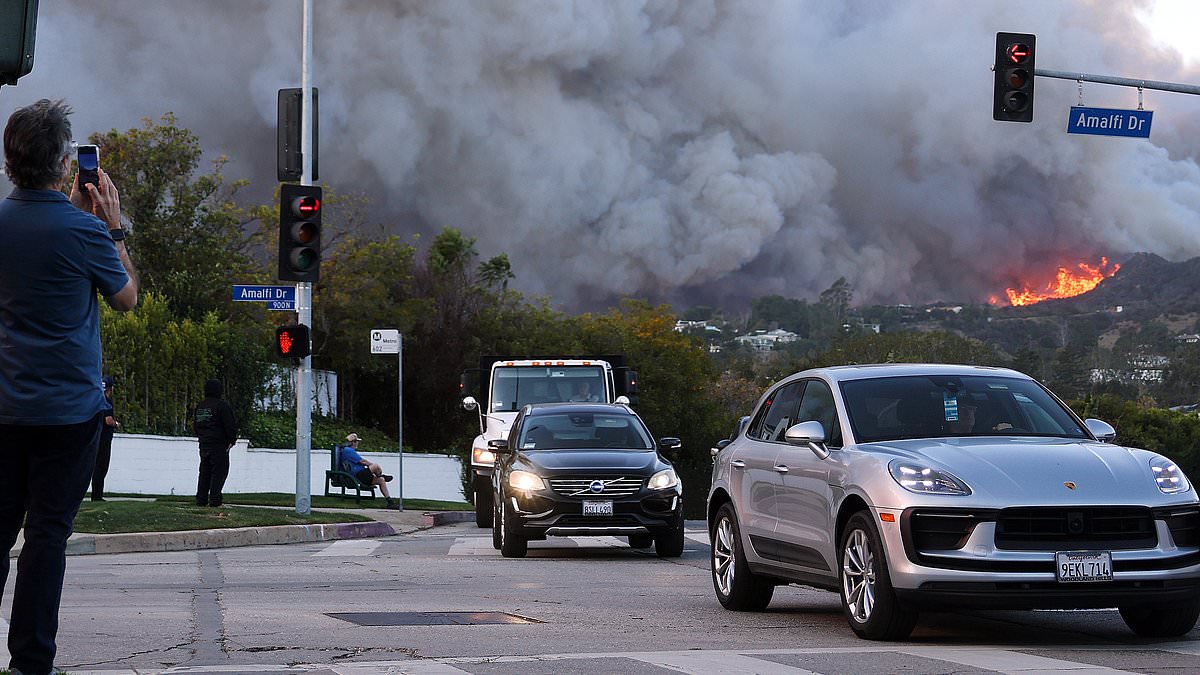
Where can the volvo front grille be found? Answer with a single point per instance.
(587, 487)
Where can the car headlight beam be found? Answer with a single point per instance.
(664, 479)
(1168, 476)
(923, 479)
(524, 480)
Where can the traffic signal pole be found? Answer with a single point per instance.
(1119, 81)
(304, 288)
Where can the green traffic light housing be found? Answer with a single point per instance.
(1012, 99)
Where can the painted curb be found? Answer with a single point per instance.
(446, 517)
(188, 540)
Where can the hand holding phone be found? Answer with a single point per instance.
(89, 165)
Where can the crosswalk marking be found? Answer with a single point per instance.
(4, 655)
(482, 545)
(1006, 661)
(710, 662)
(348, 547)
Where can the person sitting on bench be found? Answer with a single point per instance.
(364, 470)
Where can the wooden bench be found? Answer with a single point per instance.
(337, 479)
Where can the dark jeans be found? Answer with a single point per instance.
(44, 472)
(103, 456)
(214, 469)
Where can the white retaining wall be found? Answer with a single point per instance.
(148, 464)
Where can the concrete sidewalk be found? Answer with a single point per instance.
(385, 523)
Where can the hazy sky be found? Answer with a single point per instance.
(692, 151)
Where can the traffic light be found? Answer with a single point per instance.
(1013, 99)
(293, 341)
(299, 232)
(17, 31)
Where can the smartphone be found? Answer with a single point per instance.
(89, 164)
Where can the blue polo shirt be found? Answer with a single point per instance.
(54, 259)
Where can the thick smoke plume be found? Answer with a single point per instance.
(682, 150)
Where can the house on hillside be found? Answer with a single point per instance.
(765, 341)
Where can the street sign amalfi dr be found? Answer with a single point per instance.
(1109, 122)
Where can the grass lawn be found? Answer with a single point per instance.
(321, 501)
(112, 517)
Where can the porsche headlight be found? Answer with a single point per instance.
(923, 479)
(482, 456)
(663, 479)
(523, 480)
(1168, 476)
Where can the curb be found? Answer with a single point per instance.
(187, 540)
(446, 517)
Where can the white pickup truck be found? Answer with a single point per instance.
(513, 382)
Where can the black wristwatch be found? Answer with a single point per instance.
(117, 234)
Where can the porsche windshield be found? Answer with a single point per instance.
(938, 406)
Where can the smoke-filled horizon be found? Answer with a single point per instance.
(689, 151)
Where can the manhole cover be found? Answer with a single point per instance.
(429, 618)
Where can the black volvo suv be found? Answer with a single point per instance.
(571, 469)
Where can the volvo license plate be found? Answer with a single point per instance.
(597, 508)
(1074, 566)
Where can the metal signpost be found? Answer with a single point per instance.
(389, 341)
(304, 288)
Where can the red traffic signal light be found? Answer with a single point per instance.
(299, 232)
(1018, 53)
(293, 342)
(1012, 97)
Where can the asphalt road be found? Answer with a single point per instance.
(574, 605)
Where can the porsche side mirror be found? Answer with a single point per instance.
(811, 434)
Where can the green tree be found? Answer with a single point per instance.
(188, 241)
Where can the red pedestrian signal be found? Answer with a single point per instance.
(293, 342)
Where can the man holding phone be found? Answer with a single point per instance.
(56, 255)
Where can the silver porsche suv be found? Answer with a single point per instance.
(903, 487)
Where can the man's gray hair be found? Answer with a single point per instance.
(36, 139)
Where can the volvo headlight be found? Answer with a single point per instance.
(924, 479)
(663, 479)
(482, 456)
(1168, 476)
(523, 480)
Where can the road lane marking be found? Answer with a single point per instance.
(398, 668)
(725, 663)
(4, 655)
(483, 545)
(1004, 661)
(698, 536)
(348, 548)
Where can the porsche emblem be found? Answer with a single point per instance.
(1069, 485)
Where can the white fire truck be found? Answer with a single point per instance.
(513, 382)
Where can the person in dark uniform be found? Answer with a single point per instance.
(104, 452)
(216, 428)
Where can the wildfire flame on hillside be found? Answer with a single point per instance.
(1066, 284)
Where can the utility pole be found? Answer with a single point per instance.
(304, 288)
